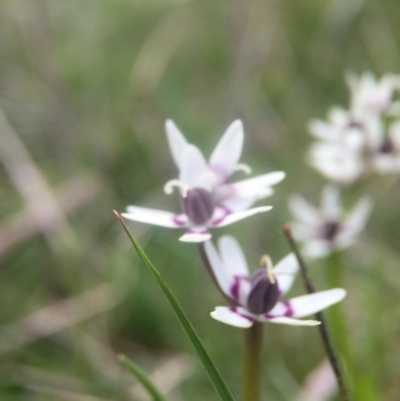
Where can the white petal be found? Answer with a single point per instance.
(358, 217)
(290, 321)
(220, 271)
(156, 217)
(235, 316)
(237, 204)
(304, 232)
(285, 272)
(330, 203)
(230, 218)
(317, 248)
(176, 140)
(195, 236)
(304, 211)
(256, 185)
(194, 170)
(311, 303)
(227, 153)
(232, 256)
(322, 130)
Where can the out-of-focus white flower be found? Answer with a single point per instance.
(208, 200)
(256, 297)
(327, 229)
(364, 139)
(385, 150)
(369, 94)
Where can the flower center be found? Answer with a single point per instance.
(264, 292)
(387, 146)
(331, 229)
(199, 205)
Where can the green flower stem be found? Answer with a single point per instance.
(337, 317)
(252, 355)
(323, 327)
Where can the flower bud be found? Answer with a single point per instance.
(264, 293)
(198, 204)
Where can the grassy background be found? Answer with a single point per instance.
(86, 87)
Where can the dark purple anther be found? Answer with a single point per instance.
(387, 146)
(331, 229)
(198, 204)
(264, 293)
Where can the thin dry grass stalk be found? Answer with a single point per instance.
(58, 317)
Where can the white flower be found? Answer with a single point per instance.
(327, 229)
(369, 94)
(208, 200)
(257, 297)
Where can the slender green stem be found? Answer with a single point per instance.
(141, 376)
(334, 276)
(208, 364)
(252, 356)
(323, 327)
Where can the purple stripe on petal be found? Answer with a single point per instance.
(226, 212)
(234, 309)
(178, 221)
(234, 290)
(289, 310)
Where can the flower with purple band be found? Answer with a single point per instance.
(208, 199)
(327, 229)
(256, 297)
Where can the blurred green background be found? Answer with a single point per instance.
(85, 88)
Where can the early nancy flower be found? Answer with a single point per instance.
(256, 297)
(208, 199)
(372, 95)
(327, 229)
(353, 143)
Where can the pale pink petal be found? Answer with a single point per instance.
(232, 256)
(311, 303)
(303, 211)
(223, 276)
(193, 235)
(285, 272)
(230, 218)
(303, 232)
(176, 140)
(194, 170)
(288, 320)
(357, 218)
(156, 217)
(317, 248)
(254, 186)
(226, 154)
(234, 316)
(330, 203)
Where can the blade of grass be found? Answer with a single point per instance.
(208, 364)
(141, 376)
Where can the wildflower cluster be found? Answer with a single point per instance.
(209, 200)
(352, 144)
(364, 139)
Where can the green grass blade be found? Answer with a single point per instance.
(208, 364)
(141, 376)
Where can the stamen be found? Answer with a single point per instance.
(267, 262)
(170, 185)
(243, 167)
